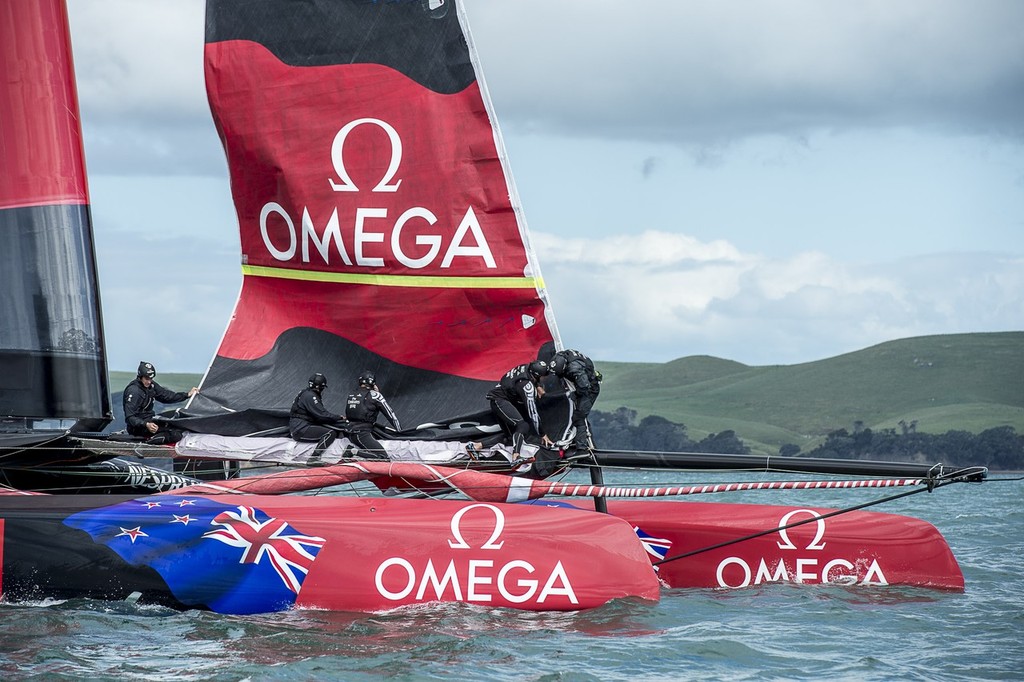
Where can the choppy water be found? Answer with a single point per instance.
(767, 632)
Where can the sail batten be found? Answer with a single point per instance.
(438, 282)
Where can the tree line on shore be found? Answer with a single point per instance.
(999, 448)
(619, 430)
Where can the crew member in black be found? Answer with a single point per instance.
(362, 409)
(311, 422)
(583, 383)
(139, 415)
(514, 403)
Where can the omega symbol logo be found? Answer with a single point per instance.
(499, 525)
(364, 229)
(818, 535)
(338, 157)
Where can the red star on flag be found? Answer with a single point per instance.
(132, 533)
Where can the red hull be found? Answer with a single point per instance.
(793, 544)
(225, 553)
(855, 548)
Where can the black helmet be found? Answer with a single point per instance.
(367, 379)
(147, 370)
(539, 368)
(318, 382)
(557, 364)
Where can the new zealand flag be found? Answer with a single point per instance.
(231, 559)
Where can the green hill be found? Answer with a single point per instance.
(968, 382)
(173, 381)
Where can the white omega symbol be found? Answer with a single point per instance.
(499, 525)
(338, 157)
(818, 535)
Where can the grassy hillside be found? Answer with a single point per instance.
(969, 382)
(175, 382)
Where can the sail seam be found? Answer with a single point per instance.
(396, 280)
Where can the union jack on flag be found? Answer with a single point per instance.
(231, 559)
(656, 547)
(273, 540)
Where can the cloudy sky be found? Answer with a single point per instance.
(773, 182)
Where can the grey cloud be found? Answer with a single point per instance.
(172, 148)
(649, 166)
(697, 73)
(193, 290)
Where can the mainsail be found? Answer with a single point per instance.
(52, 362)
(379, 226)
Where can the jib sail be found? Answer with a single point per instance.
(379, 227)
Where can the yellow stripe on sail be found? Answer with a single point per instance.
(397, 280)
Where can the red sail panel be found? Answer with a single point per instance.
(40, 138)
(477, 331)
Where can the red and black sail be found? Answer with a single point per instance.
(379, 228)
(52, 362)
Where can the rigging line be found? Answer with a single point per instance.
(614, 451)
(42, 445)
(980, 473)
(814, 519)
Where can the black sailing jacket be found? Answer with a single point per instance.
(138, 403)
(518, 388)
(308, 408)
(363, 406)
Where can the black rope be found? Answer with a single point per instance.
(932, 485)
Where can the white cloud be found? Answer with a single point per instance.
(144, 58)
(649, 248)
(665, 296)
(139, 67)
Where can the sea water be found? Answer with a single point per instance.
(768, 632)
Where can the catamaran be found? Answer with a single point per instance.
(380, 229)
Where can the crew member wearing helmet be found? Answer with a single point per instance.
(311, 422)
(362, 408)
(138, 399)
(514, 403)
(583, 383)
